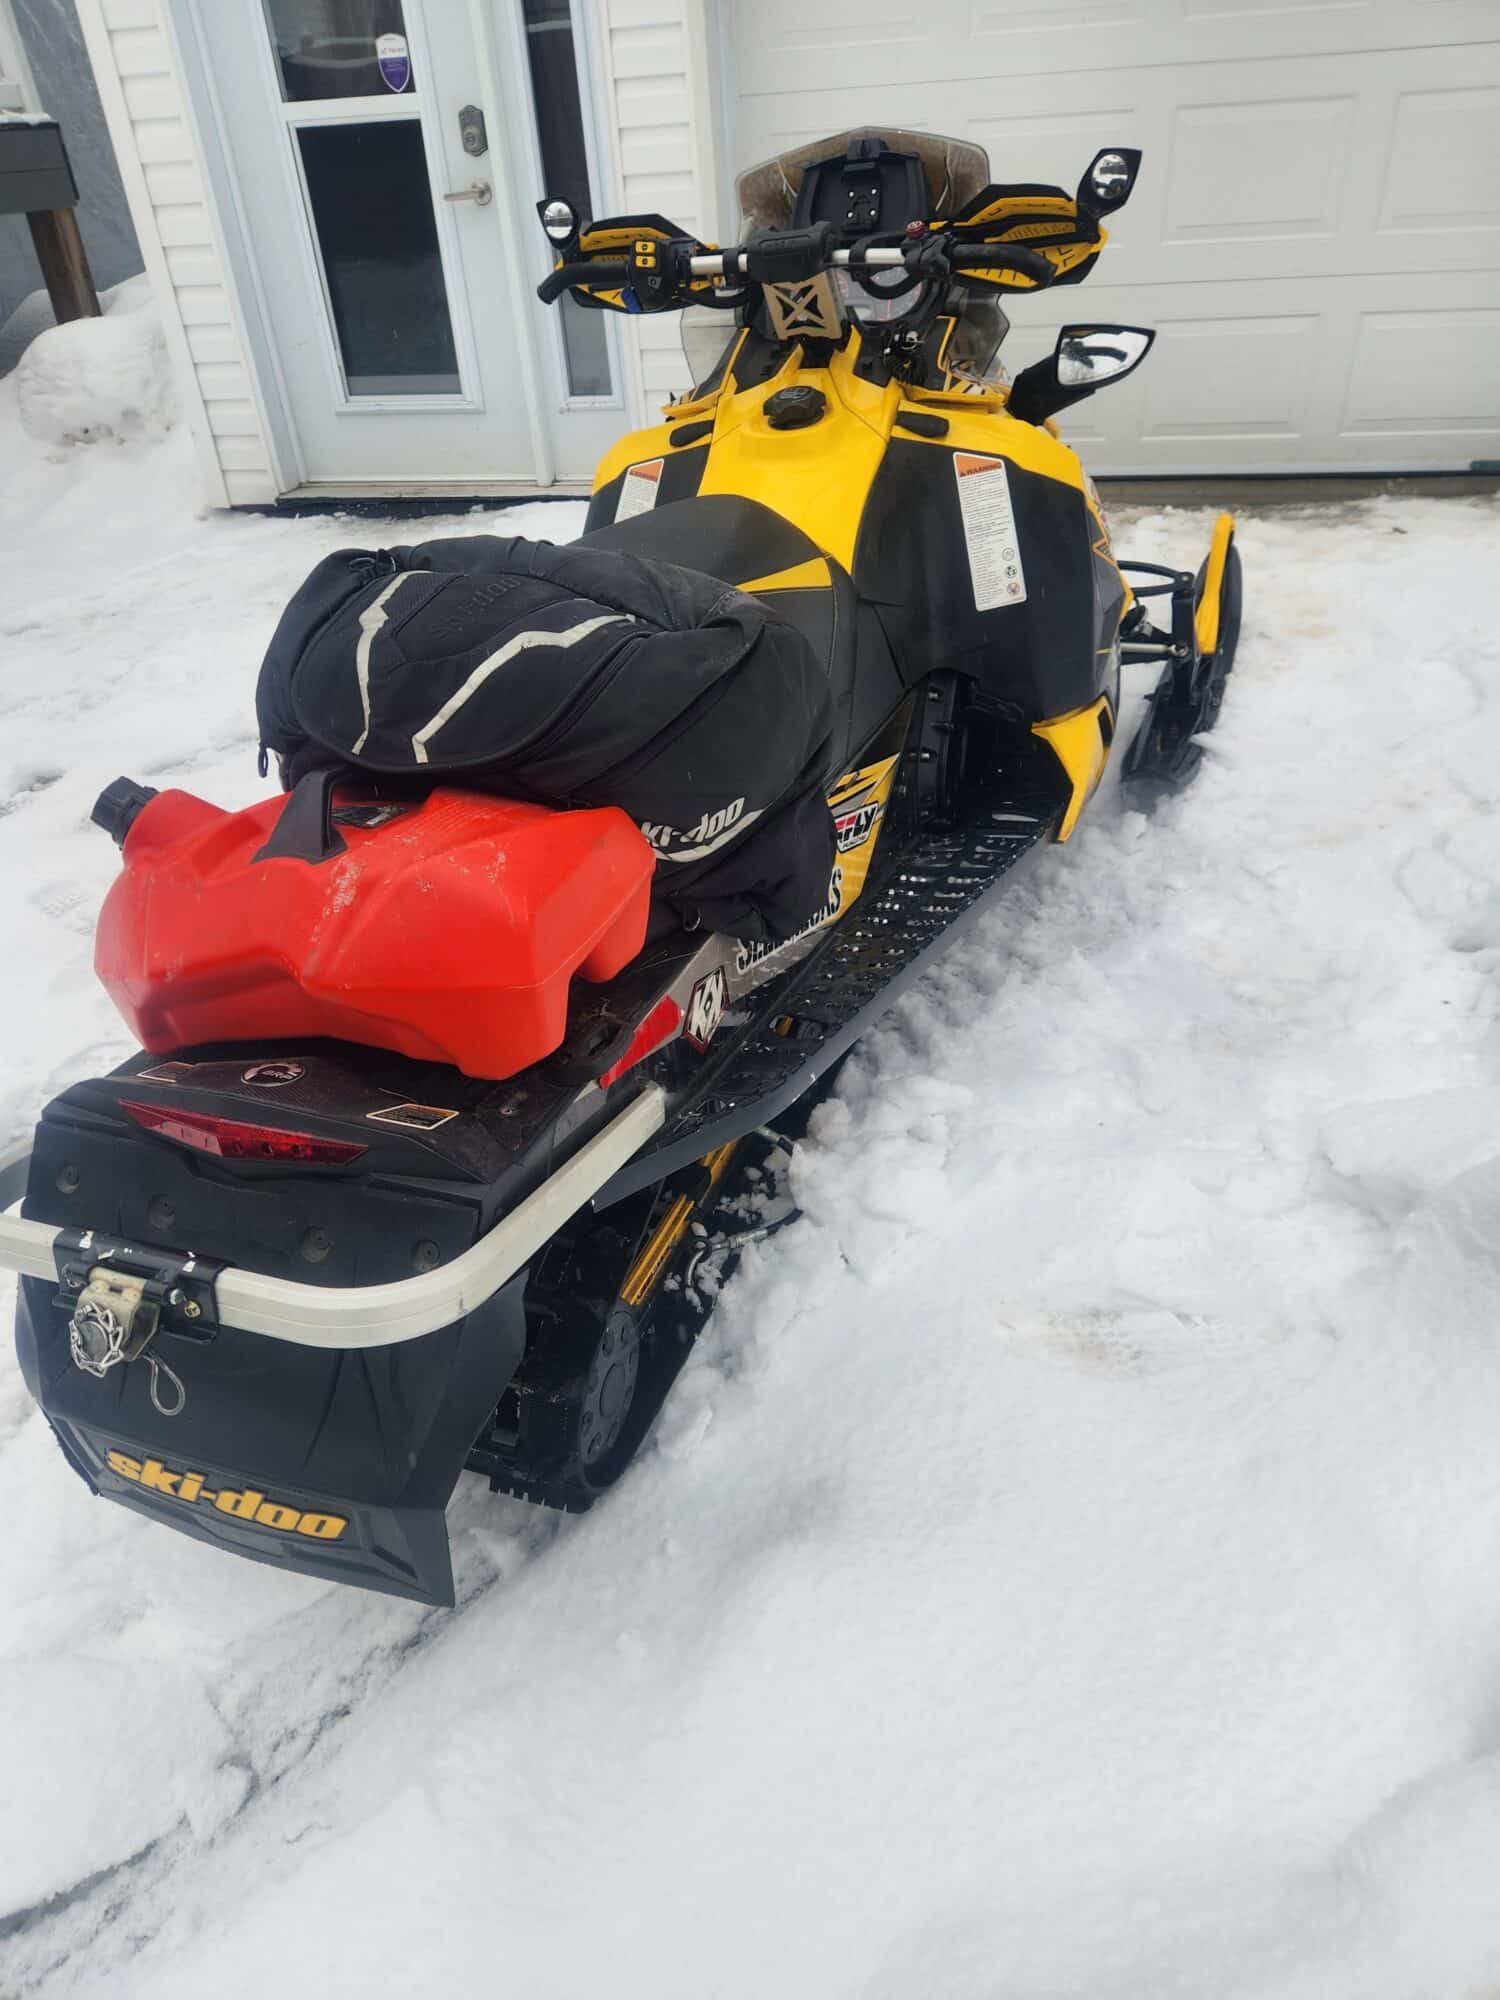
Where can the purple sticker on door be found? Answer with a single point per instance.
(395, 62)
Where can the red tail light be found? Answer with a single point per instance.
(230, 1139)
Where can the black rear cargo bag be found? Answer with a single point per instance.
(574, 677)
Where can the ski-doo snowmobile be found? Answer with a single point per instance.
(589, 866)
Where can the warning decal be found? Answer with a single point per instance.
(989, 531)
(638, 489)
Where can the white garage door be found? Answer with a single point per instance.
(1316, 229)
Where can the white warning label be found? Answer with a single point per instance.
(989, 531)
(638, 489)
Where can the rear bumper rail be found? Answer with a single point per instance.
(375, 1315)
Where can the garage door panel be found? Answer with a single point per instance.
(1316, 228)
(1028, 141)
(1424, 372)
(1298, 149)
(1314, 377)
(1244, 173)
(1444, 165)
(839, 44)
(1229, 380)
(823, 44)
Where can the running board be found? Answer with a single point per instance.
(358, 1316)
(933, 897)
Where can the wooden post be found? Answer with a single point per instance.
(65, 263)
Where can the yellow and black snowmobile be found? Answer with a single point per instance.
(447, 1081)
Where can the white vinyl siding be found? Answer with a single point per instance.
(659, 106)
(134, 58)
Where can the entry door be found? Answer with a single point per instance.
(387, 220)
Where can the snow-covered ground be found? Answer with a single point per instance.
(1072, 1564)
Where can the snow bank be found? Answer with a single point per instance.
(1072, 1564)
(99, 378)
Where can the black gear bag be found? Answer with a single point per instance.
(573, 677)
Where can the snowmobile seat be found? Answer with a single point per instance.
(756, 549)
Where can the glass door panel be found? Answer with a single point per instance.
(339, 48)
(377, 241)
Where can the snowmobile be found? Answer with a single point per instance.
(439, 1109)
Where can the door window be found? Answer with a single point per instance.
(372, 217)
(553, 59)
(351, 105)
(339, 48)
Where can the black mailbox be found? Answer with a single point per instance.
(34, 170)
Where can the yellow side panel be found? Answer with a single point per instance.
(817, 478)
(998, 436)
(631, 450)
(1079, 742)
(1206, 617)
(810, 575)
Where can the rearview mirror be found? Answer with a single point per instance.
(1084, 359)
(559, 220)
(1089, 356)
(1107, 183)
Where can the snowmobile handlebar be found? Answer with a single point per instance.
(892, 256)
(566, 276)
(796, 256)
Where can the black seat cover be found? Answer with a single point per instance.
(738, 541)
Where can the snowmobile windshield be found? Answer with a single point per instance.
(707, 337)
(954, 169)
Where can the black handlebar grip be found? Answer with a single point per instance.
(554, 285)
(997, 256)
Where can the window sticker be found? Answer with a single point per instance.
(395, 61)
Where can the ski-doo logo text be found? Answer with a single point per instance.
(244, 1504)
(673, 843)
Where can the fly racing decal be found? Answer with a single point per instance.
(858, 802)
(706, 1008)
(989, 524)
(710, 832)
(853, 828)
(639, 489)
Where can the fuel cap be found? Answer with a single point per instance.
(795, 408)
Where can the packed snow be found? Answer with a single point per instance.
(91, 379)
(1071, 1563)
